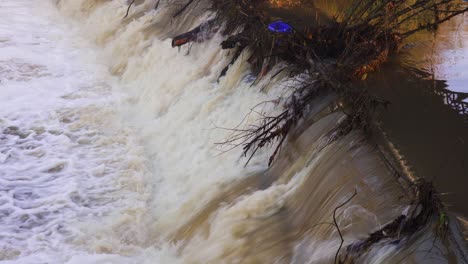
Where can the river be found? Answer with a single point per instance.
(109, 151)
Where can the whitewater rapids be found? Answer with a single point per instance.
(108, 149)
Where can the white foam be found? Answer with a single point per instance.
(98, 168)
(175, 103)
(66, 161)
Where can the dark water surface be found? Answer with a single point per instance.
(428, 116)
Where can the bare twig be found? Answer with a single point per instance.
(336, 224)
(128, 9)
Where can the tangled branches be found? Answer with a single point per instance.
(402, 17)
(276, 128)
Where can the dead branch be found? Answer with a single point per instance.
(128, 9)
(336, 223)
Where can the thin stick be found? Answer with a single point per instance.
(128, 9)
(336, 224)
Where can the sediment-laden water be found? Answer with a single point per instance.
(108, 151)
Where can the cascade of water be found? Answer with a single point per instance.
(125, 165)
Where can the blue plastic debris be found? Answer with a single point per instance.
(280, 27)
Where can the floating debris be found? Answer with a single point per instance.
(280, 27)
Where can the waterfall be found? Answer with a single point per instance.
(148, 181)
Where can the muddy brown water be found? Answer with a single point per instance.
(428, 116)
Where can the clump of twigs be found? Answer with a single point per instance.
(276, 128)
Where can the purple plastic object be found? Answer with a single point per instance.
(280, 27)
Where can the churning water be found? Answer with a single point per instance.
(65, 158)
(108, 151)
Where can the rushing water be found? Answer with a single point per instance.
(108, 151)
(65, 158)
